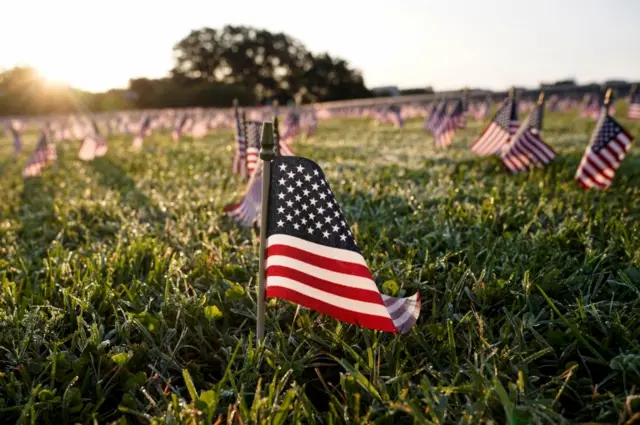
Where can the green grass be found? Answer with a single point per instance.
(127, 297)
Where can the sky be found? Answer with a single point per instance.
(446, 44)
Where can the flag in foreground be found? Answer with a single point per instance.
(312, 258)
(528, 148)
(497, 134)
(608, 146)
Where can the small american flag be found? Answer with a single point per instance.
(253, 131)
(144, 131)
(94, 145)
(291, 127)
(240, 156)
(497, 134)
(633, 112)
(591, 107)
(444, 133)
(17, 141)
(180, 125)
(528, 149)
(434, 120)
(312, 258)
(608, 146)
(45, 153)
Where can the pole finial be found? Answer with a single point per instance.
(607, 97)
(266, 152)
(541, 98)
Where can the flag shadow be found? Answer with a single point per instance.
(114, 177)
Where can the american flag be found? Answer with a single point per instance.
(45, 153)
(444, 133)
(177, 131)
(608, 146)
(252, 131)
(283, 147)
(240, 156)
(311, 122)
(291, 127)
(145, 130)
(633, 112)
(497, 134)
(395, 115)
(247, 210)
(17, 141)
(94, 145)
(591, 107)
(528, 149)
(312, 258)
(435, 118)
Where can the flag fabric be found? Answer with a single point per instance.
(247, 210)
(591, 107)
(145, 130)
(177, 131)
(633, 112)
(17, 141)
(436, 117)
(93, 145)
(608, 146)
(45, 153)
(395, 116)
(253, 132)
(443, 135)
(291, 127)
(527, 147)
(497, 134)
(240, 156)
(312, 258)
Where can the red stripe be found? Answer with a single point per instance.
(330, 264)
(361, 319)
(352, 293)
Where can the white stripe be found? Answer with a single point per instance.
(335, 300)
(320, 273)
(314, 248)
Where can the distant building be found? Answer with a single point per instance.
(386, 91)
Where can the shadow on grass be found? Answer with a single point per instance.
(111, 175)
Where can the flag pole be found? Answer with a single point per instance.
(607, 100)
(541, 98)
(266, 154)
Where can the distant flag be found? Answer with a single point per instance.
(291, 127)
(443, 135)
(45, 153)
(395, 114)
(497, 134)
(434, 120)
(94, 145)
(240, 155)
(311, 122)
(633, 112)
(312, 259)
(527, 147)
(592, 105)
(253, 130)
(282, 146)
(608, 147)
(144, 131)
(177, 131)
(14, 129)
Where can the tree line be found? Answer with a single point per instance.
(211, 68)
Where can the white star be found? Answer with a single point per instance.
(300, 168)
(325, 234)
(315, 186)
(313, 202)
(298, 183)
(318, 225)
(290, 189)
(328, 219)
(306, 192)
(310, 230)
(336, 213)
(307, 177)
(296, 212)
(289, 204)
(280, 223)
(323, 182)
(312, 216)
(298, 198)
(322, 196)
(335, 228)
(315, 172)
(281, 181)
(289, 217)
(296, 226)
(280, 210)
(303, 221)
(283, 167)
(281, 195)
(330, 204)
(343, 238)
(305, 207)
(321, 210)
(291, 174)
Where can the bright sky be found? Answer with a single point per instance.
(410, 43)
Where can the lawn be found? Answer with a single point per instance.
(126, 296)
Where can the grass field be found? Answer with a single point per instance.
(127, 297)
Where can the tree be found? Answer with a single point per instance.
(271, 65)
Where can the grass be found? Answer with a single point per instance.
(126, 297)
